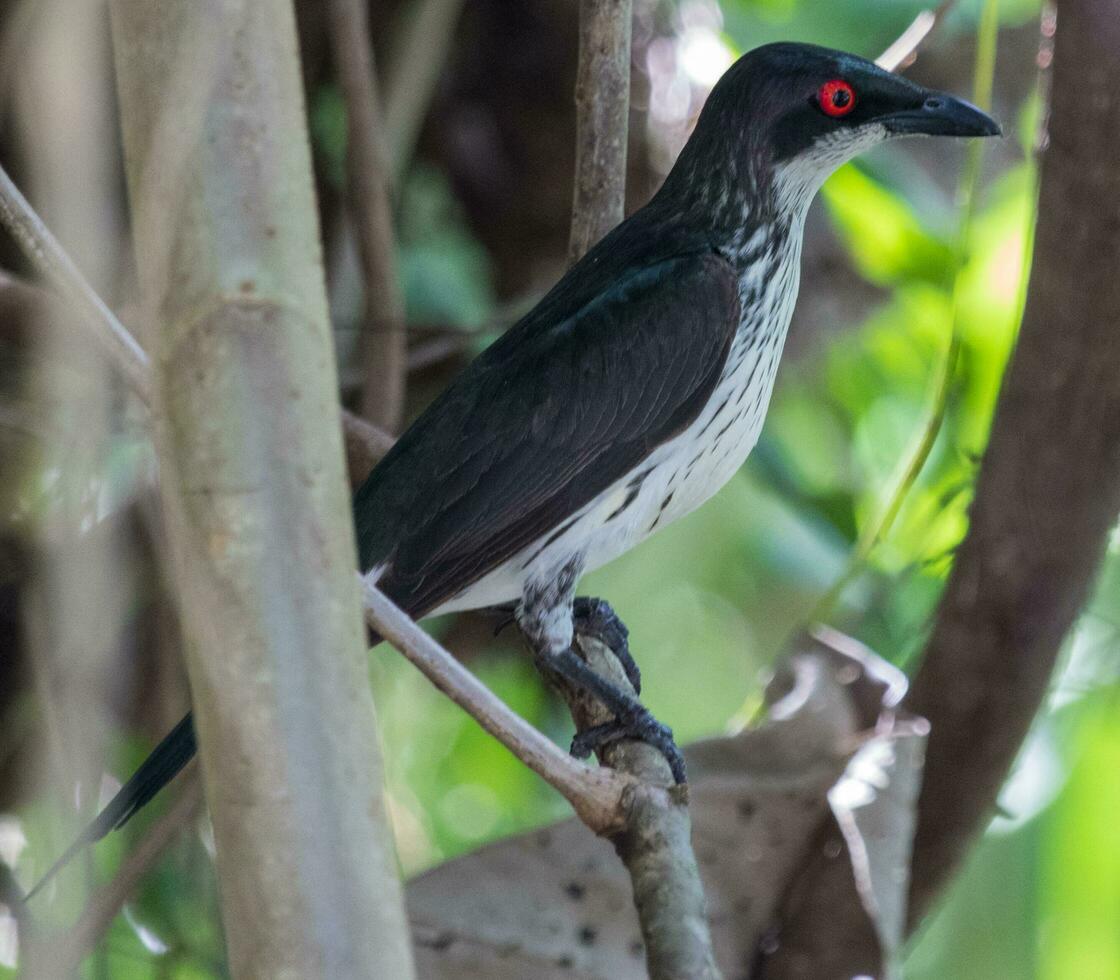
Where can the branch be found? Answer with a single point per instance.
(595, 794)
(417, 54)
(900, 54)
(1048, 491)
(383, 331)
(602, 121)
(365, 443)
(561, 896)
(48, 257)
(655, 844)
(66, 957)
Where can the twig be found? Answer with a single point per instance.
(412, 66)
(365, 442)
(107, 901)
(383, 330)
(655, 844)
(900, 54)
(602, 117)
(51, 261)
(595, 794)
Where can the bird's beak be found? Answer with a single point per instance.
(942, 115)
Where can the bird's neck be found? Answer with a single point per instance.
(741, 203)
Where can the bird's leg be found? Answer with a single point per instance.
(546, 617)
(595, 617)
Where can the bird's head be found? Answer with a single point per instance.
(785, 116)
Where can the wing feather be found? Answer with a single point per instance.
(541, 423)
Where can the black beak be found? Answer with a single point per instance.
(942, 115)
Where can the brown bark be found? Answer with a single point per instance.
(1049, 489)
(1047, 494)
(602, 121)
(367, 179)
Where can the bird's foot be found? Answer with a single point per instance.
(639, 725)
(632, 719)
(595, 617)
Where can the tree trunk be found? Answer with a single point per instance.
(251, 461)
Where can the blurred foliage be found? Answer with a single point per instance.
(710, 600)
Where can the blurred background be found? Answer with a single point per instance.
(478, 103)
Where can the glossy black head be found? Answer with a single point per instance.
(799, 111)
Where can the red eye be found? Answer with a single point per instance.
(836, 98)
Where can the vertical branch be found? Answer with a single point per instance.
(367, 176)
(602, 121)
(252, 483)
(1049, 488)
(417, 52)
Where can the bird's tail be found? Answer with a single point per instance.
(164, 764)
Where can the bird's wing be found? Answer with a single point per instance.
(540, 424)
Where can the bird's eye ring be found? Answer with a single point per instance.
(836, 98)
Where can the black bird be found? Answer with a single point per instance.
(633, 391)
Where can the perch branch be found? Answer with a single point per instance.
(655, 844)
(602, 118)
(595, 794)
(367, 181)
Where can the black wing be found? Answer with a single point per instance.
(541, 423)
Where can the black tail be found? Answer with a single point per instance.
(155, 772)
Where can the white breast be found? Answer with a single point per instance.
(684, 472)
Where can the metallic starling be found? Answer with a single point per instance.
(632, 392)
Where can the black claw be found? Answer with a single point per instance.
(507, 617)
(640, 725)
(597, 618)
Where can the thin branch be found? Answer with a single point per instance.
(655, 843)
(901, 53)
(596, 794)
(914, 461)
(105, 904)
(383, 330)
(417, 53)
(602, 121)
(49, 258)
(365, 443)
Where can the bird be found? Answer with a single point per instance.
(630, 393)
